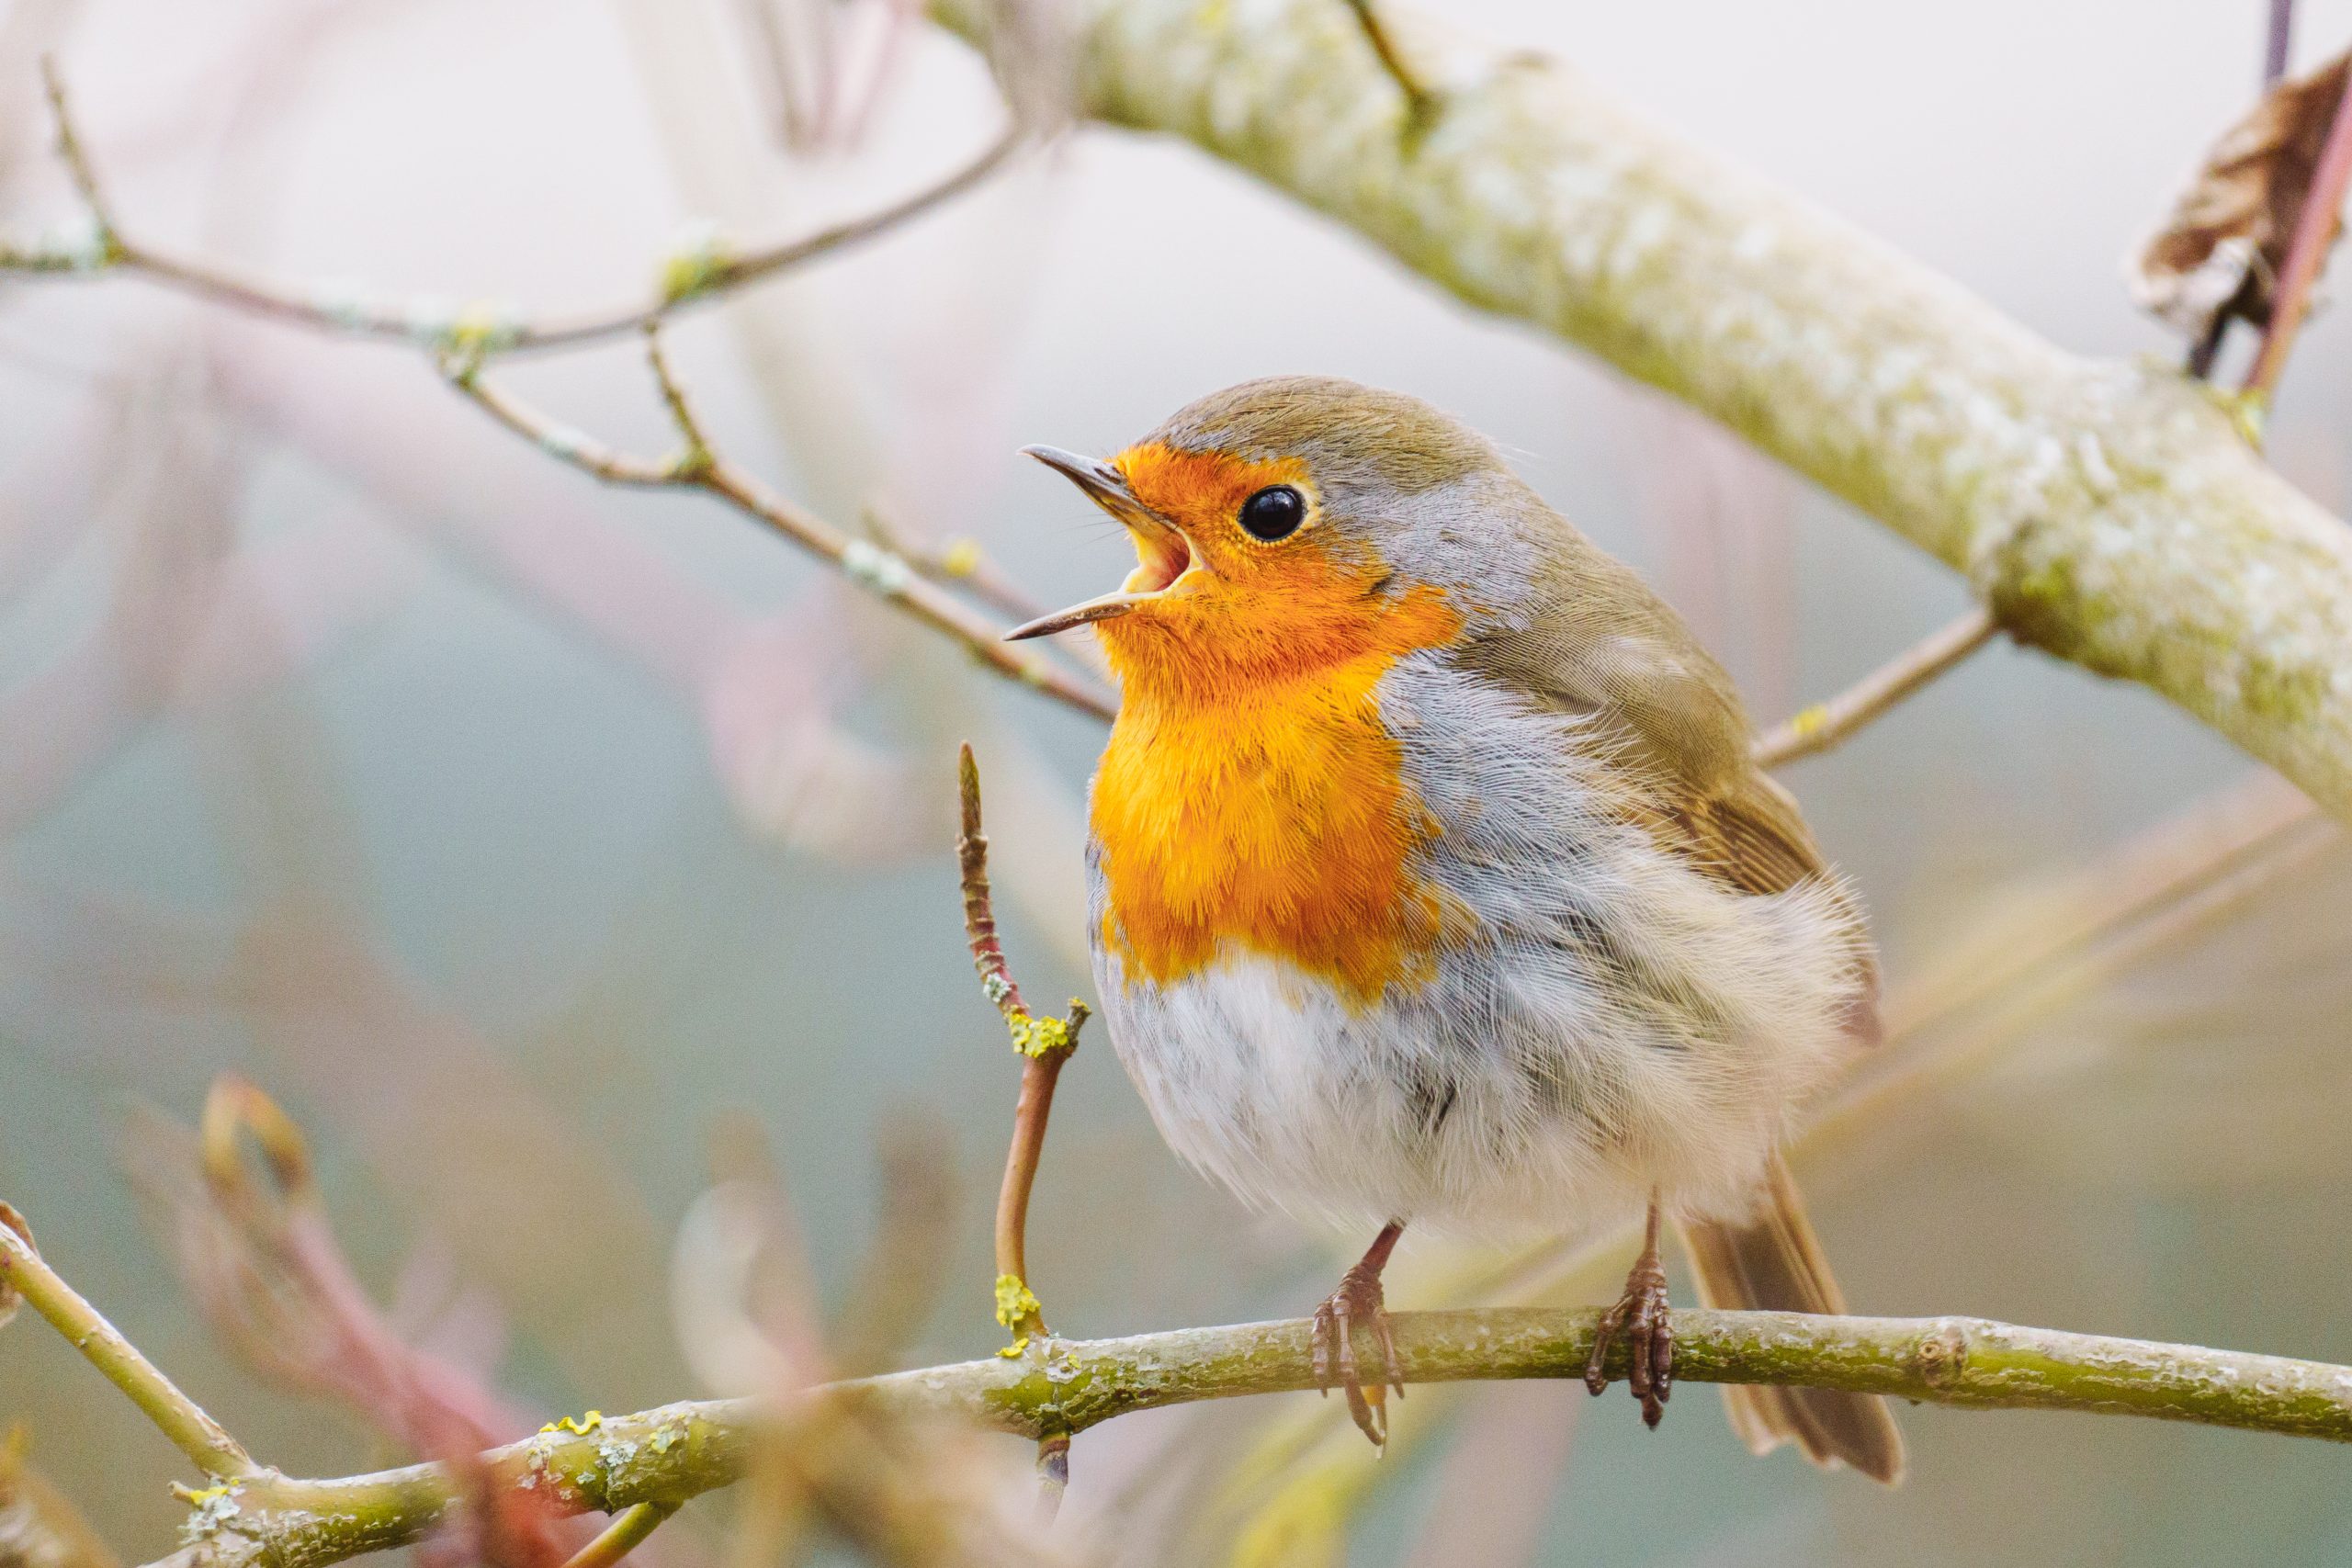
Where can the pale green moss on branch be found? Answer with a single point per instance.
(2109, 512)
(1062, 1386)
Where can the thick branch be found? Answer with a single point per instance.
(2108, 513)
(679, 1450)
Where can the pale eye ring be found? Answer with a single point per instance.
(1274, 512)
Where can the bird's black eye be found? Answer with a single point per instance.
(1274, 512)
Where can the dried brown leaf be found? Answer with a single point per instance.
(2220, 254)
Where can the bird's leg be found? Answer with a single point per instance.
(1359, 1298)
(1640, 1315)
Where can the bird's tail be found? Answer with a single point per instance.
(1774, 1263)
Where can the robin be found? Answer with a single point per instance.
(1432, 884)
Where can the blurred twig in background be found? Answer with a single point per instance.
(1421, 100)
(465, 341)
(699, 467)
(705, 267)
(825, 66)
(2278, 41)
(1824, 725)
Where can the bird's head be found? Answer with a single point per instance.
(1289, 524)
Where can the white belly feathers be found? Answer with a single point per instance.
(1614, 1021)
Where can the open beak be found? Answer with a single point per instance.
(1163, 554)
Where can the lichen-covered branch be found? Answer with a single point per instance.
(679, 1450)
(2109, 512)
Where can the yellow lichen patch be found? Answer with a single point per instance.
(1015, 1302)
(1035, 1036)
(585, 1424)
(962, 557)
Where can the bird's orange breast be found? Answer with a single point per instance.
(1265, 810)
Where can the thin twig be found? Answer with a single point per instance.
(177, 1416)
(74, 156)
(1045, 1044)
(699, 467)
(960, 562)
(624, 1535)
(465, 340)
(680, 1451)
(2279, 43)
(1420, 103)
(698, 271)
(2315, 229)
(963, 567)
(1824, 725)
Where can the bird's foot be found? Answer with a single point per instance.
(1358, 1300)
(1640, 1315)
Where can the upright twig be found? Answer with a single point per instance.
(1824, 724)
(177, 1416)
(699, 467)
(1045, 1044)
(2315, 228)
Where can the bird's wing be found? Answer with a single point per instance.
(1607, 648)
(1604, 647)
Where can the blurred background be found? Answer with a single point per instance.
(531, 841)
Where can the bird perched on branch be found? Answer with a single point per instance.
(1432, 883)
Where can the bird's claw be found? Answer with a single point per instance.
(1358, 1299)
(1640, 1315)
